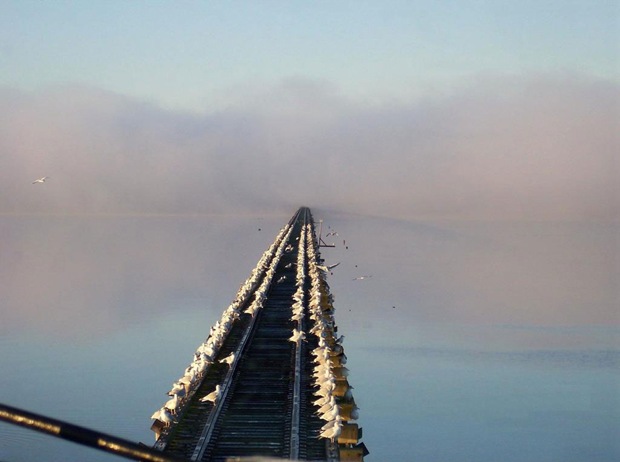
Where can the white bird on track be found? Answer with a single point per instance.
(163, 415)
(178, 389)
(298, 336)
(228, 359)
(213, 396)
(41, 180)
(172, 404)
(332, 429)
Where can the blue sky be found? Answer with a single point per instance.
(185, 55)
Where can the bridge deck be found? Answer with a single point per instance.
(267, 405)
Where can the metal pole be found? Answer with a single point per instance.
(82, 435)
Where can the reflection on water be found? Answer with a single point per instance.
(471, 341)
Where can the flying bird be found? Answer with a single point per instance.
(41, 180)
(327, 268)
(359, 278)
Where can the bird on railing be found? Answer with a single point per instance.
(178, 389)
(213, 396)
(228, 359)
(298, 336)
(332, 430)
(172, 404)
(164, 416)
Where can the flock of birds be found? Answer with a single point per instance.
(184, 388)
(328, 356)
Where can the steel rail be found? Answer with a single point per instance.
(296, 409)
(207, 432)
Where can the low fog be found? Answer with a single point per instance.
(539, 148)
(497, 149)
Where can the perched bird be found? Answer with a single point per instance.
(41, 180)
(163, 416)
(228, 359)
(298, 336)
(213, 396)
(178, 389)
(172, 404)
(333, 429)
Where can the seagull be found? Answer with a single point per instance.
(41, 180)
(213, 396)
(172, 404)
(333, 431)
(327, 268)
(228, 359)
(163, 415)
(298, 335)
(359, 278)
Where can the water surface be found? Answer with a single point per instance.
(469, 342)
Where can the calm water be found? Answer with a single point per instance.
(470, 342)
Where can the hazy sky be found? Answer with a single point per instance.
(187, 54)
(474, 109)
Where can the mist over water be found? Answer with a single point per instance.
(498, 147)
(470, 341)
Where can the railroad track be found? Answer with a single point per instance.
(273, 386)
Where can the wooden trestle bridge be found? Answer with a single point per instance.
(270, 379)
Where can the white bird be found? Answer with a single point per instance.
(298, 336)
(41, 180)
(172, 404)
(359, 278)
(178, 389)
(228, 359)
(333, 431)
(213, 396)
(163, 416)
(297, 316)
